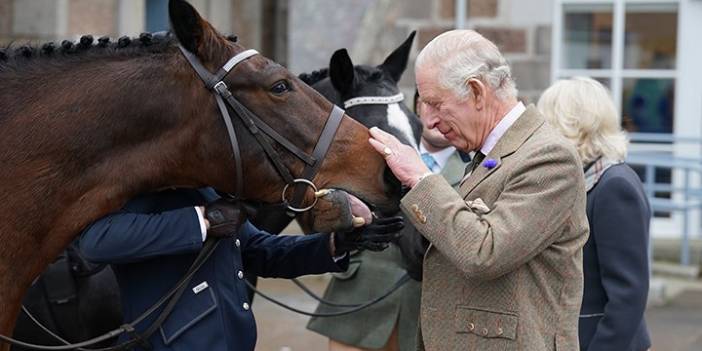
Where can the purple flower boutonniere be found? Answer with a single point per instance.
(490, 163)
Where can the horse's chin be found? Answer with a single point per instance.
(336, 210)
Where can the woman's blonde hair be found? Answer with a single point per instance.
(583, 111)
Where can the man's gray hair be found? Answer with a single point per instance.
(464, 54)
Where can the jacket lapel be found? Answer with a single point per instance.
(515, 136)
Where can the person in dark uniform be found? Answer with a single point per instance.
(152, 241)
(615, 256)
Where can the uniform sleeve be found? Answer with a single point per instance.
(524, 220)
(620, 227)
(287, 256)
(124, 237)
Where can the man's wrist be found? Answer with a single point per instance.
(420, 178)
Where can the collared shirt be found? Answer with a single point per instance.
(502, 127)
(441, 156)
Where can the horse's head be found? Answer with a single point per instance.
(290, 107)
(371, 94)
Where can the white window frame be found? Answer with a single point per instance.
(687, 121)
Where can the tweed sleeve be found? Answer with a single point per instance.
(531, 210)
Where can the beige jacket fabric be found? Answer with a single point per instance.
(504, 269)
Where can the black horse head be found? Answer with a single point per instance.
(343, 83)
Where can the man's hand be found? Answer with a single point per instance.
(403, 160)
(224, 218)
(374, 237)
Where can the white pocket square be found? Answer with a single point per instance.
(478, 206)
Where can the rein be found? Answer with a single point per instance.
(351, 308)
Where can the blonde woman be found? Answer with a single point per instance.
(615, 261)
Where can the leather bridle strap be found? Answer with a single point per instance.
(320, 151)
(255, 126)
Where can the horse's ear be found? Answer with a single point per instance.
(187, 24)
(341, 72)
(396, 63)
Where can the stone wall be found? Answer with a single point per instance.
(370, 29)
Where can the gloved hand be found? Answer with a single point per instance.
(375, 236)
(225, 218)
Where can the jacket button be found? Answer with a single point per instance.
(485, 331)
(246, 306)
(240, 274)
(471, 326)
(237, 243)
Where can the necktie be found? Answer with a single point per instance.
(477, 159)
(429, 161)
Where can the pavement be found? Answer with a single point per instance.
(675, 325)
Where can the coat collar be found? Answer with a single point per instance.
(515, 136)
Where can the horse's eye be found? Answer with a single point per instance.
(280, 87)
(375, 76)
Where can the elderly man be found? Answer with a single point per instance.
(504, 269)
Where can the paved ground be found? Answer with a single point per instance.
(675, 326)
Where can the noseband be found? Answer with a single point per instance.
(258, 128)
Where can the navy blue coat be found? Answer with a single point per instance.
(153, 240)
(615, 264)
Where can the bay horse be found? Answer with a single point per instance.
(85, 127)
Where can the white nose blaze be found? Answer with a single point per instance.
(400, 121)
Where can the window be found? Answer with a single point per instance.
(157, 15)
(628, 45)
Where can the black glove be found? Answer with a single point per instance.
(374, 237)
(225, 218)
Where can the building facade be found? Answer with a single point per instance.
(645, 51)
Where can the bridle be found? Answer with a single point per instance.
(257, 128)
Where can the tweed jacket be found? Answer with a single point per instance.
(504, 268)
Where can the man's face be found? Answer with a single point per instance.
(430, 135)
(457, 119)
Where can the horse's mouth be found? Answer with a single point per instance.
(360, 208)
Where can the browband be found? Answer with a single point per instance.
(374, 100)
(238, 58)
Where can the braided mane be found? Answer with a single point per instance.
(314, 76)
(13, 57)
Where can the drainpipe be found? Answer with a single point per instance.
(460, 14)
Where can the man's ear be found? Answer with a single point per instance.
(187, 25)
(478, 91)
(341, 71)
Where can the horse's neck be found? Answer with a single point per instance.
(76, 152)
